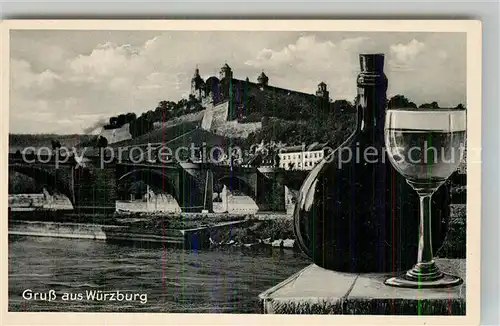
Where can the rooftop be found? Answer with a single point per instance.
(302, 148)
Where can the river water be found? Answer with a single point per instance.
(174, 280)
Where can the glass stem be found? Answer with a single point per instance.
(425, 237)
(425, 269)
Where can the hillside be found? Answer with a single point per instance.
(20, 141)
(200, 137)
(236, 129)
(325, 128)
(160, 135)
(190, 117)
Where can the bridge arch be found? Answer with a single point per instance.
(155, 179)
(46, 178)
(232, 183)
(185, 189)
(238, 183)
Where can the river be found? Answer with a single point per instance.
(174, 280)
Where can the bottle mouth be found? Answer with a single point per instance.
(372, 62)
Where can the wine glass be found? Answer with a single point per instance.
(425, 146)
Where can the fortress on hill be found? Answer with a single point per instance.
(237, 92)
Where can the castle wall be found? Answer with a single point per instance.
(220, 115)
(229, 99)
(243, 91)
(206, 123)
(215, 116)
(215, 119)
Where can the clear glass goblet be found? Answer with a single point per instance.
(425, 146)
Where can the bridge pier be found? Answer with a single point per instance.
(195, 184)
(271, 192)
(208, 201)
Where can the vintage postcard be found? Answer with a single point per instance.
(241, 172)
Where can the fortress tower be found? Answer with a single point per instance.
(225, 72)
(322, 91)
(197, 85)
(262, 80)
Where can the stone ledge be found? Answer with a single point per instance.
(315, 290)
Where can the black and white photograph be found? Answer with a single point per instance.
(245, 171)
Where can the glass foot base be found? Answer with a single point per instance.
(405, 281)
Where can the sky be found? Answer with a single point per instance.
(66, 81)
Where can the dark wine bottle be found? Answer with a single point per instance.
(355, 212)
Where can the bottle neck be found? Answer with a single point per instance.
(371, 102)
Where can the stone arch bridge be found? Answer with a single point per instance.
(94, 187)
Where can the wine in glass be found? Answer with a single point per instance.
(426, 147)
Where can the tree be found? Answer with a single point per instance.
(182, 103)
(433, 105)
(130, 117)
(163, 111)
(140, 126)
(149, 116)
(122, 119)
(102, 142)
(340, 106)
(400, 102)
(113, 121)
(165, 105)
(55, 144)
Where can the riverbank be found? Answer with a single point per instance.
(147, 219)
(191, 230)
(212, 230)
(273, 230)
(134, 233)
